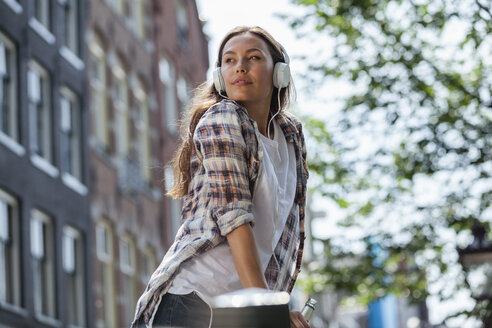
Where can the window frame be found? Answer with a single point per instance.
(149, 265)
(128, 270)
(182, 23)
(71, 136)
(174, 204)
(42, 148)
(99, 92)
(43, 265)
(122, 110)
(12, 108)
(45, 13)
(75, 277)
(71, 25)
(143, 130)
(106, 262)
(167, 75)
(12, 241)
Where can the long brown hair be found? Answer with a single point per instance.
(204, 97)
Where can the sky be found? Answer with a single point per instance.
(223, 15)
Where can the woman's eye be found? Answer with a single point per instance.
(227, 60)
(254, 57)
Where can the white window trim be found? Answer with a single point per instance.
(70, 99)
(44, 166)
(14, 309)
(14, 5)
(72, 58)
(11, 201)
(75, 235)
(12, 144)
(42, 31)
(8, 45)
(47, 320)
(49, 254)
(38, 71)
(104, 257)
(100, 126)
(122, 117)
(127, 268)
(74, 184)
(148, 253)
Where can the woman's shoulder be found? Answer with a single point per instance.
(290, 121)
(225, 117)
(224, 112)
(226, 107)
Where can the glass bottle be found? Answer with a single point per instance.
(307, 311)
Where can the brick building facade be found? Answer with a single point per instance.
(144, 57)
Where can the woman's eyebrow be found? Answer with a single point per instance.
(230, 52)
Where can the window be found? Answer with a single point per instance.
(182, 22)
(127, 267)
(97, 76)
(8, 89)
(104, 250)
(70, 10)
(70, 125)
(43, 264)
(167, 77)
(137, 16)
(183, 91)
(10, 277)
(120, 100)
(174, 204)
(39, 111)
(117, 5)
(73, 264)
(143, 129)
(149, 265)
(42, 12)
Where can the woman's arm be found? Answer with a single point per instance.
(248, 266)
(246, 258)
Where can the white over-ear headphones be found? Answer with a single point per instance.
(281, 74)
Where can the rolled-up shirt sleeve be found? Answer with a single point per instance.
(221, 146)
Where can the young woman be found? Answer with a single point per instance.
(241, 171)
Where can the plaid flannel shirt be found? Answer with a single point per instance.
(224, 167)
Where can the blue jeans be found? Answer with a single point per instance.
(181, 311)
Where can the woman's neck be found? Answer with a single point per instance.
(259, 113)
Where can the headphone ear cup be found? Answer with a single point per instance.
(281, 75)
(218, 80)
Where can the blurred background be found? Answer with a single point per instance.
(395, 97)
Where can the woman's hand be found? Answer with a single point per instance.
(297, 320)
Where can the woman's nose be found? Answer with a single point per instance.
(240, 67)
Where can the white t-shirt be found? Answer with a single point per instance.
(213, 273)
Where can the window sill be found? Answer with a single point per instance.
(74, 184)
(74, 326)
(14, 309)
(72, 58)
(14, 5)
(12, 144)
(44, 165)
(47, 320)
(39, 28)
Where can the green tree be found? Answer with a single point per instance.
(409, 158)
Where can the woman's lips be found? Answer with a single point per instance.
(241, 82)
